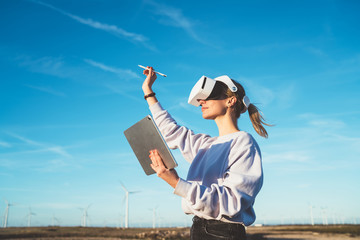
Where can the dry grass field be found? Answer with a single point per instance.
(304, 232)
(335, 232)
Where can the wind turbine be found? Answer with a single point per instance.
(324, 215)
(84, 216)
(8, 205)
(154, 216)
(311, 214)
(54, 219)
(127, 204)
(120, 221)
(29, 216)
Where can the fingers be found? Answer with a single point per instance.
(157, 163)
(149, 71)
(169, 175)
(155, 158)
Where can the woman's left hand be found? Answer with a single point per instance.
(169, 175)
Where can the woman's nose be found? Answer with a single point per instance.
(201, 101)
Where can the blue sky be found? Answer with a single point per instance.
(70, 86)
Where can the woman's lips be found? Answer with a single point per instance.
(203, 109)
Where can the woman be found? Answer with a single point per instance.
(225, 174)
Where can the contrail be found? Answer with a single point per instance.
(124, 73)
(98, 25)
(174, 17)
(60, 150)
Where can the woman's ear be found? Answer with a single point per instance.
(231, 101)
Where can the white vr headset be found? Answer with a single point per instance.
(205, 86)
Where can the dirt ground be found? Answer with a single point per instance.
(299, 233)
(339, 232)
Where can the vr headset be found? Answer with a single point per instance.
(205, 86)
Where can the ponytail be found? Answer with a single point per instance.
(258, 120)
(239, 107)
(255, 116)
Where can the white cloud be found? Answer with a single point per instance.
(316, 51)
(25, 140)
(122, 73)
(174, 17)
(257, 93)
(108, 28)
(283, 95)
(42, 147)
(112, 29)
(56, 66)
(286, 95)
(5, 144)
(324, 122)
(289, 156)
(46, 65)
(123, 93)
(54, 165)
(57, 150)
(327, 123)
(47, 90)
(6, 163)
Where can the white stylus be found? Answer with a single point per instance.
(155, 71)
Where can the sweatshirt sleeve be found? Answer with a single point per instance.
(232, 197)
(177, 137)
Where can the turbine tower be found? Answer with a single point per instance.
(53, 219)
(127, 204)
(154, 216)
(8, 205)
(84, 216)
(324, 216)
(29, 216)
(311, 214)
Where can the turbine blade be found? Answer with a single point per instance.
(122, 185)
(134, 192)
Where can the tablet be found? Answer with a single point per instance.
(144, 136)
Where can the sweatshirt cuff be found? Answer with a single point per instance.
(155, 108)
(182, 188)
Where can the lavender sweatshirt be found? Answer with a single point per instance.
(225, 174)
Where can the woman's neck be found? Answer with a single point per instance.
(226, 125)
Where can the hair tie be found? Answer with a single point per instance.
(246, 102)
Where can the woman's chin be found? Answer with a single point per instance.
(208, 117)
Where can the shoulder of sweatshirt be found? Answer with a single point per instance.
(240, 137)
(242, 144)
(247, 141)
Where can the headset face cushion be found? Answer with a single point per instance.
(218, 92)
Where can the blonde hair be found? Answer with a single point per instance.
(255, 115)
